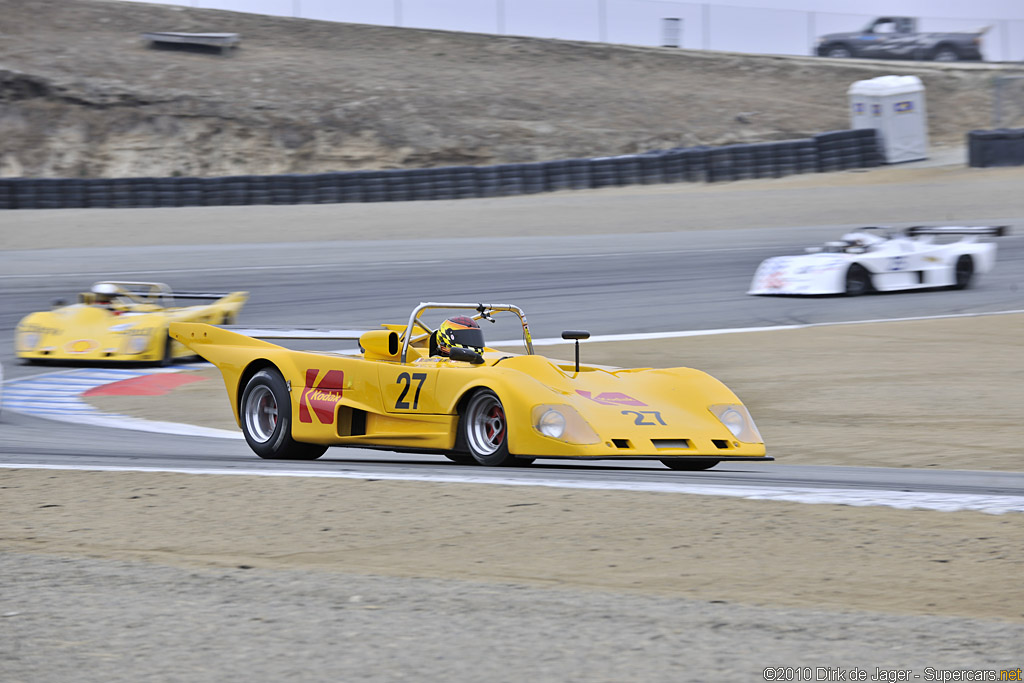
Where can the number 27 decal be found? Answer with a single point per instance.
(642, 418)
(404, 378)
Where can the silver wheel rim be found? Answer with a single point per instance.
(487, 426)
(261, 413)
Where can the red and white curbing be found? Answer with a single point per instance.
(59, 396)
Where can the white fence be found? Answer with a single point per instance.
(692, 25)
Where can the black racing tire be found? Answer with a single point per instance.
(266, 412)
(858, 280)
(689, 464)
(484, 429)
(945, 53)
(168, 357)
(964, 272)
(838, 51)
(460, 458)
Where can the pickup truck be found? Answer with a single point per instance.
(897, 38)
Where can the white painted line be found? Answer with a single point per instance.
(904, 500)
(646, 336)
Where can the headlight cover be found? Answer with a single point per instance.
(738, 421)
(28, 340)
(137, 344)
(562, 422)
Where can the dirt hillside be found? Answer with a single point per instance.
(81, 95)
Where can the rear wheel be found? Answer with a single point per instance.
(266, 412)
(964, 272)
(485, 429)
(858, 281)
(946, 53)
(838, 51)
(689, 464)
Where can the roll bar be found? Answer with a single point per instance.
(156, 291)
(483, 312)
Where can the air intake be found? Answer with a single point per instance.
(674, 444)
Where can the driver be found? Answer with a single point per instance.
(459, 332)
(103, 294)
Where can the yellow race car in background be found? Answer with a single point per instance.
(409, 390)
(119, 321)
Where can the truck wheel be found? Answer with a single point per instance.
(838, 51)
(266, 412)
(946, 53)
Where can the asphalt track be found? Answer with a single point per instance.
(649, 282)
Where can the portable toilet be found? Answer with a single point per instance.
(894, 106)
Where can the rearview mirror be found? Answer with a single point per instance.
(577, 335)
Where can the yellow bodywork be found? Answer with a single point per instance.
(375, 399)
(126, 329)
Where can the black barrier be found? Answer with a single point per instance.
(999, 147)
(830, 151)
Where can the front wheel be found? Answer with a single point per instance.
(964, 272)
(688, 464)
(485, 429)
(858, 281)
(266, 412)
(168, 357)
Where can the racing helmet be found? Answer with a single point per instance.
(103, 292)
(459, 332)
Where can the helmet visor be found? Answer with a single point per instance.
(472, 337)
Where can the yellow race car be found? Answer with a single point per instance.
(119, 321)
(416, 388)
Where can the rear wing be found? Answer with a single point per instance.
(993, 230)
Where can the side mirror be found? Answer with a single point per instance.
(576, 335)
(465, 355)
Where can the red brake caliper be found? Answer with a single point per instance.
(495, 426)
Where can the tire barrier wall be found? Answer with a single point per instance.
(1001, 147)
(830, 151)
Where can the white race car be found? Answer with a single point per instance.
(878, 259)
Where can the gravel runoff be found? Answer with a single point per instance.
(103, 620)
